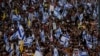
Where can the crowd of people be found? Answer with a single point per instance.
(49, 28)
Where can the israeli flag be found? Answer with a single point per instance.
(8, 47)
(16, 17)
(62, 2)
(81, 17)
(42, 35)
(57, 14)
(64, 41)
(88, 39)
(36, 14)
(14, 36)
(55, 52)
(67, 36)
(68, 6)
(41, 8)
(45, 17)
(95, 40)
(58, 33)
(94, 14)
(64, 13)
(28, 41)
(83, 53)
(6, 39)
(21, 33)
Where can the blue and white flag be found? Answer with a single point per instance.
(28, 41)
(6, 39)
(14, 36)
(62, 2)
(8, 47)
(68, 6)
(57, 12)
(83, 53)
(58, 33)
(45, 17)
(16, 17)
(64, 41)
(55, 52)
(88, 39)
(21, 33)
(36, 14)
(94, 14)
(64, 13)
(42, 36)
(81, 17)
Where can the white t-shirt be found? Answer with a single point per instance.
(83, 53)
(55, 52)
